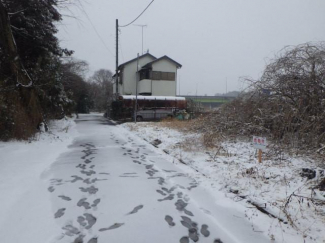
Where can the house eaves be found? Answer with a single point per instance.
(148, 65)
(147, 54)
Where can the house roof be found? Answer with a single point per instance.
(134, 59)
(163, 57)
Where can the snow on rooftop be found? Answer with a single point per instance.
(141, 97)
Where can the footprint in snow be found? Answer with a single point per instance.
(180, 205)
(82, 221)
(90, 219)
(169, 171)
(136, 209)
(96, 202)
(149, 167)
(204, 230)
(88, 173)
(51, 189)
(59, 213)
(169, 197)
(82, 203)
(193, 234)
(169, 220)
(206, 211)
(161, 192)
(103, 173)
(82, 166)
(188, 223)
(71, 230)
(79, 239)
(217, 241)
(184, 239)
(114, 226)
(90, 190)
(76, 178)
(65, 198)
(93, 240)
(187, 212)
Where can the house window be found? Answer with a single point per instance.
(171, 76)
(163, 76)
(156, 75)
(144, 74)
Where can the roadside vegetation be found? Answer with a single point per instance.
(287, 106)
(39, 79)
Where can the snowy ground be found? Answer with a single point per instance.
(25, 206)
(93, 182)
(232, 168)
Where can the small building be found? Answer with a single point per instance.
(156, 76)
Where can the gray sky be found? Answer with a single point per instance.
(214, 40)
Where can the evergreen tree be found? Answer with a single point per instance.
(30, 84)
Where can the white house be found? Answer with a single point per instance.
(156, 76)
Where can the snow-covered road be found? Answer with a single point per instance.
(110, 186)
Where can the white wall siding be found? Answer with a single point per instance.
(164, 66)
(129, 75)
(144, 86)
(163, 88)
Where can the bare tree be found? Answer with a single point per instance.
(101, 89)
(287, 104)
(73, 78)
(295, 84)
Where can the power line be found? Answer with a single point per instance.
(138, 16)
(98, 35)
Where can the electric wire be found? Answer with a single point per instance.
(138, 16)
(98, 35)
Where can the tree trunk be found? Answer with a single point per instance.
(20, 112)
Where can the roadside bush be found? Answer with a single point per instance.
(287, 104)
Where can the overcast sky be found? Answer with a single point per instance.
(214, 40)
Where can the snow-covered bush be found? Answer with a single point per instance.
(286, 104)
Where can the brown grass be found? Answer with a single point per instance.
(209, 139)
(20, 115)
(183, 126)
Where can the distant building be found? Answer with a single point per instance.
(157, 76)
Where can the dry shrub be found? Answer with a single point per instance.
(20, 115)
(287, 104)
(210, 139)
(180, 125)
(192, 144)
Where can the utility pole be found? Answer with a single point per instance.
(142, 26)
(226, 85)
(136, 91)
(179, 85)
(196, 103)
(116, 71)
